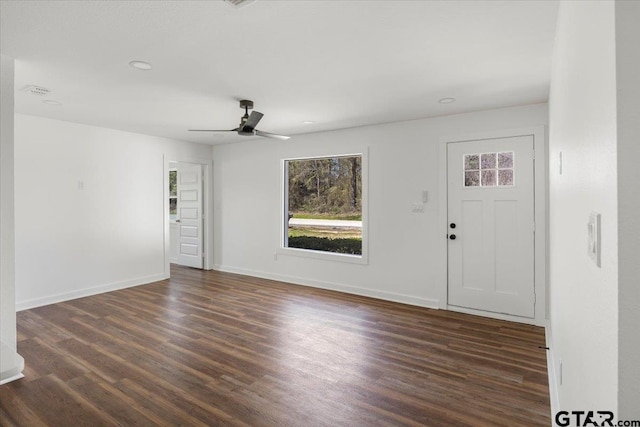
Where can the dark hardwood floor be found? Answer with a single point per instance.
(211, 348)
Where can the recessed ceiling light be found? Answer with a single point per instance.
(446, 100)
(307, 122)
(52, 102)
(140, 65)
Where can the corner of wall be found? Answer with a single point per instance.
(11, 364)
(628, 126)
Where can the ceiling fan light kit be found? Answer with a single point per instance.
(248, 124)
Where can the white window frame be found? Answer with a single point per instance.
(284, 213)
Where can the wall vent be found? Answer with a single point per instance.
(37, 90)
(238, 3)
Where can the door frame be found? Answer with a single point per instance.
(207, 209)
(539, 134)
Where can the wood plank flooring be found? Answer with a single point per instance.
(210, 348)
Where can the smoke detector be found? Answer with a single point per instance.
(37, 90)
(238, 3)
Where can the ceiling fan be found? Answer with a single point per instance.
(248, 124)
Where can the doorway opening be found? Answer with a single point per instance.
(187, 213)
(493, 217)
(491, 225)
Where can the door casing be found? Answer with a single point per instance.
(540, 216)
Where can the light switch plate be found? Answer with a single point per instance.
(593, 237)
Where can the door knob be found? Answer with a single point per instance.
(452, 225)
(452, 236)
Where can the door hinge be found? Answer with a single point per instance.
(202, 254)
(534, 227)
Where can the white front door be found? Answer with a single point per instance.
(189, 220)
(491, 225)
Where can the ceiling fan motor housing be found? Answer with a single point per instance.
(245, 103)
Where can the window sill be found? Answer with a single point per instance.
(325, 256)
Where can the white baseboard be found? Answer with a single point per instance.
(340, 287)
(554, 395)
(499, 316)
(11, 364)
(52, 299)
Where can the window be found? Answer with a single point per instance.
(489, 169)
(323, 204)
(173, 194)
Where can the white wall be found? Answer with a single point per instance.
(404, 247)
(628, 106)
(584, 298)
(73, 242)
(11, 364)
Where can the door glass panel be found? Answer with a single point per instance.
(505, 160)
(505, 177)
(472, 179)
(489, 169)
(471, 162)
(488, 178)
(488, 161)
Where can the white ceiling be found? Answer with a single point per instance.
(336, 63)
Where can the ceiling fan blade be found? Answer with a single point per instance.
(213, 130)
(252, 121)
(271, 135)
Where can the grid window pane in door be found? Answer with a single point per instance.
(489, 169)
(488, 178)
(505, 160)
(488, 161)
(472, 178)
(471, 162)
(505, 178)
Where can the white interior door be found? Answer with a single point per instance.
(189, 220)
(491, 225)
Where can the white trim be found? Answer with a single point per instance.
(554, 395)
(364, 201)
(339, 287)
(13, 378)
(11, 364)
(540, 215)
(52, 299)
(322, 255)
(207, 189)
(499, 316)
